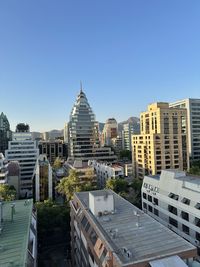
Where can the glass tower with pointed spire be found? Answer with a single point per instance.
(83, 129)
(83, 132)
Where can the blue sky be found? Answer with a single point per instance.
(127, 53)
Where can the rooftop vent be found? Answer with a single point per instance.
(101, 202)
(126, 252)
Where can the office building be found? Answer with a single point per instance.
(162, 143)
(42, 179)
(5, 133)
(128, 130)
(193, 126)
(83, 133)
(53, 149)
(173, 199)
(109, 231)
(25, 151)
(18, 234)
(110, 131)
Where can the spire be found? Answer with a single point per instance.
(81, 87)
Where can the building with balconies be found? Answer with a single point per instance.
(108, 231)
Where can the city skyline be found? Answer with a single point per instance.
(127, 56)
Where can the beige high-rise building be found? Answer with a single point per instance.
(163, 142)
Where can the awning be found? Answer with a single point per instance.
(174, 261)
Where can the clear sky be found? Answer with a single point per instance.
(128, 53)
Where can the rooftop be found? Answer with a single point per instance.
(135, 232)
(15, 234)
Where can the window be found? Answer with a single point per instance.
(197, 221)
(172, 209)
(144, 205)
(185, 215)
(197, 236)
(197, 206)
(186, 201)
(84, 221)
(156, 212)
(103, 255)
(155, 200)
(173, 196)
(173, 222)
(87, 227)
(144, 195)
(150, 208)
(149, 198)
(185, 229)
(93, 237)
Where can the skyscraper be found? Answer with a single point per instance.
(162, 143)
(193, 114)
(5, 133)
(83, 133)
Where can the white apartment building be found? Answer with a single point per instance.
(173, 199)
(25, 151)
(106, 171)
(193, 115)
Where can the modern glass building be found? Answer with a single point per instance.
(83, 133)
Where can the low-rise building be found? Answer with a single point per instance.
(18, 234)
(105, 171)
(173, 198)
(109, 231)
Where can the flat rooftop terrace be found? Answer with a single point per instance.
(130, 229)
(15, 234)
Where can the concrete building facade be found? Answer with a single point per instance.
(173, 199)
(53, 149)
(108, 231)
(110, 131)
(105, 171)
(5, 133)
(42, 179)
(25, 151)
(162, 143)
(193, 126)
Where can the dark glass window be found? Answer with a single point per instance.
(149, 198)
(185, 229)
(173, 222)
(185, 215)
(144, 195)
(156, 212)
(150, 208)
(93, 237)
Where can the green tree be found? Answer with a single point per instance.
(118, 185)
(125, 154)
(195, 170)
(72, 183)
(57, 163)
(7, 193)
